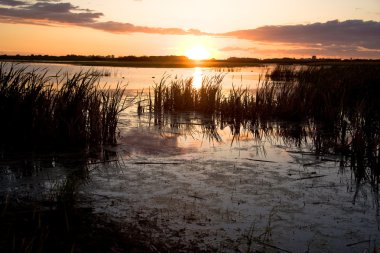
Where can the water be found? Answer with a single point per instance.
(214, 186)
(193, 181)
(143, 78)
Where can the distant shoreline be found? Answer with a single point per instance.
(144, 64)
(172, 61)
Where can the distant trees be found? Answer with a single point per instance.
(174, 59)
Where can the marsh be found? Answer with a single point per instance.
(221, 180)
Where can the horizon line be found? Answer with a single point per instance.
(141, 57)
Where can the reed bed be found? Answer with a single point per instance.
(321, 93)
(339, 104)
(61, 111)
(180, 95)
(329, 92)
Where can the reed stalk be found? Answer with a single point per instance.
(64, 110)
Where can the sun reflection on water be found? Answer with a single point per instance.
(197, 78)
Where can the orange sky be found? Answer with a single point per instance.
(218, 29)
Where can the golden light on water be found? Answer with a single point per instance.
(197, 78)
(198, 52)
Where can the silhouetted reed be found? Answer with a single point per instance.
(282, 73)
(325, 94)
(60, 111)
(180, 95)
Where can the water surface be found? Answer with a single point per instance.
(143, 78)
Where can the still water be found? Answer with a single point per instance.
(143, 78)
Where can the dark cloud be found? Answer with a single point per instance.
(357, 33)
(118, 27)
(12, 2)
(299, 50)
(64, 12)
(50, 10)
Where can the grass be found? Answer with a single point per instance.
(61, 111)
(326, 94)
(180, 95)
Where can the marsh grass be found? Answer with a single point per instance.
(60, 111)
(179, 95)
(326, 92)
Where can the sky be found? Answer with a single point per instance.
(196, 28)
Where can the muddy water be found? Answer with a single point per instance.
(191, 187)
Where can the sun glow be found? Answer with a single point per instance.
(197, 78)
(198, 52)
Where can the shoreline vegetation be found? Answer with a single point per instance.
(66, 110)
(173, 61)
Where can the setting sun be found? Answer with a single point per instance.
(198, 52)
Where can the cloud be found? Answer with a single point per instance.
(242, 49)
(350, 37)
(48, 10)
(300, 50)
(66, 13)
(118, 27)
(356, 33)
(12, 2)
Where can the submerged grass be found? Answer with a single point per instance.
(64, 110)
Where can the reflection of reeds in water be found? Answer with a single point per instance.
(334, 107)
(46, 217)
(102, 72)
(343, 102)
(57, 111)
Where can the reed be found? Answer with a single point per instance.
(179, 95)
(321, 93)
(38, 110)
(283, 73)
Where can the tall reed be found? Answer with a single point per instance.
(65, 110)
(180, 95)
